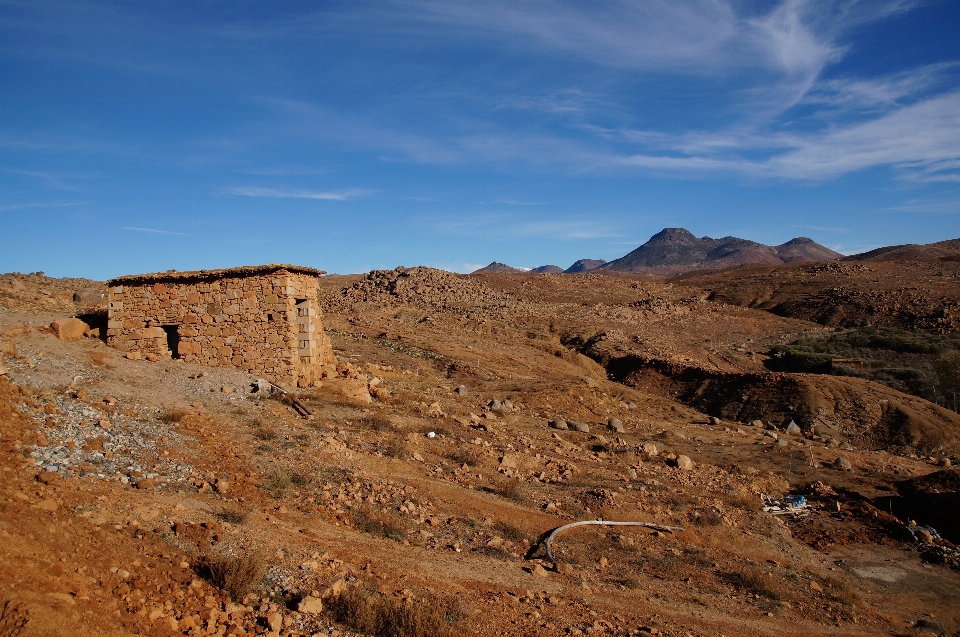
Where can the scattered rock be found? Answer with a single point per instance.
(649, 448)
(756, 423)
(461, 390)
(539, 571)
(615, 425)
(793, 428)
(559, 424)
(714, 420)
(133, 356)
(226, 389)
(685, 463)
(582, 427)
(771, 434)
(146, 483)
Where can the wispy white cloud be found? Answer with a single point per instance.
(281, 193)
(154, 231)
(41, 204)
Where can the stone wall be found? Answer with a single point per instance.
(266, 323)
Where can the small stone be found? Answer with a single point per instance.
(558, 424)
(793, 428)
(275, 621)
(146, 483)
(756, 423)
(461, 390)
(649, 448)
(226, 390)
(564, 568)
(417, 457)
(615, 425)
(770, 434)
(539, 571)
(685, 463)
(604, 562)
(133, 356)
(221, 486)
(104, 424)
(153, 358)
(311, 605)
(816, 587)
(714, 420)
(582, 427)
(782, 442)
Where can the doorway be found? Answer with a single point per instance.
(173, 339)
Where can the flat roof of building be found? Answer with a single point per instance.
(222, 273)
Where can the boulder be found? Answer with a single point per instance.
(842, 464)
(615, 425)
(685, 463)
(88, 296)
(69, 329)
(558, 424)
(582, 427)
(793, 428)
(461, 390)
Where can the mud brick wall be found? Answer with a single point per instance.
(267, 324)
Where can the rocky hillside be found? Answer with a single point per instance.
(937, 250)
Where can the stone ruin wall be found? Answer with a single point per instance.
(248, 322)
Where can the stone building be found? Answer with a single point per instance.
(264, 319)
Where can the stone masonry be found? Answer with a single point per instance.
(262, 319)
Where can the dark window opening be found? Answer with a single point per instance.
(173, 340)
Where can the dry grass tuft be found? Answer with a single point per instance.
(371, 613)
(277, 481)
(371, 519)
(172, 415)
(13, 619)
(840, 591)
(234, 574)
(757, 580)
(232, 515)
(510, 489)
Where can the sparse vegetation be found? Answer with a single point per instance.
(755, 579)
(369, 612)
(906, 360)
(277, 481)
(371, 519)
(511, 489)
(172, 415)
(234, 574)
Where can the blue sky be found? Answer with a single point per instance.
(146, 136)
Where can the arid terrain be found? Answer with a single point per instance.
(470, 415)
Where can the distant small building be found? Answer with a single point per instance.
(264, 319)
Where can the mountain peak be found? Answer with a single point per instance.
(674, 250)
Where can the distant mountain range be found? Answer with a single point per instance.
(675, 250)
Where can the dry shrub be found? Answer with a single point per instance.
(840, 591)
(394, 448)
(371, 613)
(510, 489)
(743, 501)
(509, 531)
(13, 619)
(264, 432)
(373, 520)
(463, 457)
(277, 481)
(377, 423)
(232, 515)
(755, 579)
(234, 574)
(172, 415)
(709, 517)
